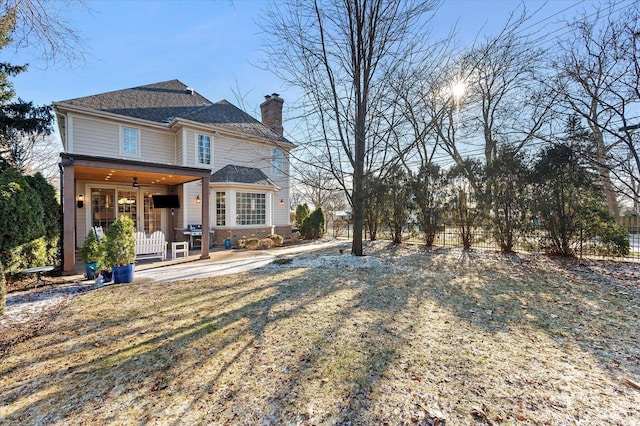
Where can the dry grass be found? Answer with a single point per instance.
(416, 338)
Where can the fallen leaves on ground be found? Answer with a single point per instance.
(402, 336)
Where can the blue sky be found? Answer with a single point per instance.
(212, 46)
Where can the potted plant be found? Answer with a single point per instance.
(120, 249)
(227, 242)
(90, 253)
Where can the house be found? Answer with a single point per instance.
(170, 159)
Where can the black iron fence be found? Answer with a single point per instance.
(533, 242)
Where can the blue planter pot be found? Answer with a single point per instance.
(90, 270)
(227, 243)
(123, 274)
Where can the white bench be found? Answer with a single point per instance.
(151, 247)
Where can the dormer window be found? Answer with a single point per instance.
(203, 149)
(130, 142)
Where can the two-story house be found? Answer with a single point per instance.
(169, 158)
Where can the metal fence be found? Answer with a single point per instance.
(534, 242)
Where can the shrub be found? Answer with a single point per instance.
(313, 226)
(302, 212)
(119, 245)
(50, 204)
(21, 211)
(91, 249)
(252, 243)
(24, 256)
(277, 239)
(266, 243)
(339, 227)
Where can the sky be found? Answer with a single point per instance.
(212, 46)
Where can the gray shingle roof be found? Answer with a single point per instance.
(241, 174)
(164, 101)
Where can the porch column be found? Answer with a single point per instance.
(69, 219)
(204, 253)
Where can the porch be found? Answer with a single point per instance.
(121, 187)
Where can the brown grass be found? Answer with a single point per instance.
(465, 338)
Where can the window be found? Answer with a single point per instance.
(204, 149)
(127, 204)
(152, 215)
(250, 209)
(276, 160)
(130, 141)
(221, 208)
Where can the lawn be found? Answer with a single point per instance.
(401, 336)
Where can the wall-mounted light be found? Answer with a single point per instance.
(198, 199)
(80, 201)
(135, 182)
(282, 202)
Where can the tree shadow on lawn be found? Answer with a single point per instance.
(557, 297)
(148, 355)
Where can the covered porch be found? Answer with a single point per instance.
(115, 176)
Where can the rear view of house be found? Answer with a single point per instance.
(175, 162)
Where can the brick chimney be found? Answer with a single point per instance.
(271, 110)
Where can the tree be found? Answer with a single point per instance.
(37, 25)
(21, 123)
(320, 189)
(398, 202)
(374, 205)
(21, 211)
(488, 96)
(341, 53)
(505, 197)
(302, 212)
(428, 188)
(313, 226)
(462, 198)
(597, 78)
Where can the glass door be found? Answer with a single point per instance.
(103, 207)
(128, 205)
(152, 215)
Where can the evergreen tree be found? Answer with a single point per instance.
(569, 197)
(21, 123)
(506, 197)
(428, 187)
(398, 203)
(302, 212)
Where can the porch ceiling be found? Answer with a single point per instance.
(116, 175)
(116, 170)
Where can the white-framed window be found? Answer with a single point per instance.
(276, 160)
(203, 149)
(221, 208)
(130, 141)
(250, 208)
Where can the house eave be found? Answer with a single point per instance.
(178, 123)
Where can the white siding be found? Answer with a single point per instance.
(102, 138)
(157, 146)
(93, 137)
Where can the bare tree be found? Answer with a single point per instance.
(39, 26)
(597, 77)
(491, 96)
(43, 157)
(341, 53)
